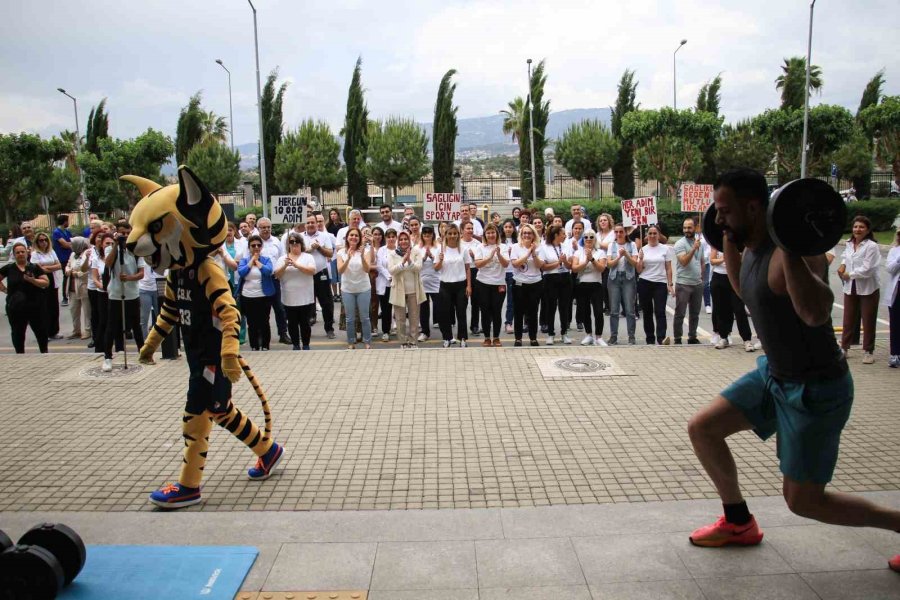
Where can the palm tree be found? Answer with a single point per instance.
(514, 122)
(214, 128)
(792, 81)
(69, 138)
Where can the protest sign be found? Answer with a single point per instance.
(696, 197)
(441, 207)
(639, 211)
(288, 210)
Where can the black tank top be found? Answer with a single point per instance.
(796, 351)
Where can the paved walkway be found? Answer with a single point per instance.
(548, 483)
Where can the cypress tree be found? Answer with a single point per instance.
(623, 168)
(356, 139)
(443, 134)
(189, 130)
(97, 128)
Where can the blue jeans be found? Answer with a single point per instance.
(621, 297)
(509, 299)
(149, 301)
(359, 301)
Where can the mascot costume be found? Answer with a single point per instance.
(178, 227)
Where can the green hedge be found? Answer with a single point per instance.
(881, 211)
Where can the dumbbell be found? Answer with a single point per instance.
(47, 558)
(805, 217)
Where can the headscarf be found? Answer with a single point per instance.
(79, 245)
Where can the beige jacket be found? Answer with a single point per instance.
(397, 268)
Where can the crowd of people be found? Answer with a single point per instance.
(401, 278)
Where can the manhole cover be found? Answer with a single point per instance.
(581, 365)
(118, 372)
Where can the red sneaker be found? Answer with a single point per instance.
(722, 533)
(894, 563)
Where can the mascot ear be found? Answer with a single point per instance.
(191, 189)
(144, 186)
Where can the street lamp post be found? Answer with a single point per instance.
(531, 136)
(84, 199)
(674, 77)
(230, 111)
(262, 146)
(806, 94)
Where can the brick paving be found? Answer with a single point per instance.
(393, 429)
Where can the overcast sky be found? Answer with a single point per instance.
(147, 57)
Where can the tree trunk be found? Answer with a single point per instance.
(595, 187)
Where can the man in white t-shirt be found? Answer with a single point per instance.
(387, 219)
(355, 221)
(577, 217)
(319, 245)
(465, 216)
(273, 249)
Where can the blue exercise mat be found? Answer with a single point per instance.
(154, 572)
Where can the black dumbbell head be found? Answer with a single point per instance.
(61, 541)
(29, 573)
(5, 542)
(712, 231)
(806, 217)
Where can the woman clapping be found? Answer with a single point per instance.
(454, 264)
(257, 290)
(407, 293)
(491, 260)
(356, 288)
(589, 263)
(528, 283)
(295, 270)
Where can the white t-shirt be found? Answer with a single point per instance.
(472, 245)
(507, 252)
(554, 253)
(252, 287)
(529, 272)
(324, 240)
(48, 258)
(589, 274)
(431, 279)
(396, 226)
(383, 279)
(477, 229)
(655, 259)
(570, 222)
(492, 273)
(148, 281)
(272, 248)
(354, 279)
(454, 266)
(297, 286)
(607, 239)
(98, 263)
(721, 269)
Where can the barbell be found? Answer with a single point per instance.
(805, 217)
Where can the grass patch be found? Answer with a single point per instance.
(885, 237)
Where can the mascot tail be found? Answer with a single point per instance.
(262, 397)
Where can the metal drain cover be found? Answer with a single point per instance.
(117, 372)
(581, 365)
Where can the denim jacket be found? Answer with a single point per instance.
(614, 253)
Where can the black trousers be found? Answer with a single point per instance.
(51, 308)
(605, 277)
(526, 297)
(475, 302)
(278, 307)
(257, 310)
(114, 330)
(425, 312)
(653, 305)
(728, 308)
(544, 306)
(590, 297)
(20, 320)
(453, 303)
(387, 311)
(298, 322)
(559, 299)
(490, 300)
(98, 318)
(65, 285)
(322, 288)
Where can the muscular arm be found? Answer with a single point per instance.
(810, 294)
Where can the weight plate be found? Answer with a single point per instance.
(806, 217)
(61, 541)
(29, 573)
(5, 542)
(713, 232)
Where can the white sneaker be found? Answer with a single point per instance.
(447, 343)
(757, 345)
(566, 339)
(453, 341)
(868, 359)
(749, 347)
(385, 337)
(588, 340)
(107, 365)
(422, 337)
(550, 340)
(715, 339)
(709, 310)
(463, 344)
(599, 341)
(723, 343)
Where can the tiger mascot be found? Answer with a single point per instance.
(179, 227)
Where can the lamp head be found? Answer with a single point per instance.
(683, 42)
(219, 60)
(529, 61)
(60, 90)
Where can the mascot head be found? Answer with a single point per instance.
(175, 226)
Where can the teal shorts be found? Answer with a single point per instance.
(808, 418)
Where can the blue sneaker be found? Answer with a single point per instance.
(266, 463)
(175, 495)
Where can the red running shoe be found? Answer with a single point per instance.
(722, 533)
(894, 563)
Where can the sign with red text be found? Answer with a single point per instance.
(441, 207)
(639, 211)
(696, 197)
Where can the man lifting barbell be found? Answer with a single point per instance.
(802, 388)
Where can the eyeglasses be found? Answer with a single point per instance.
(589, 237)
(292, 242)
(256, 245)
